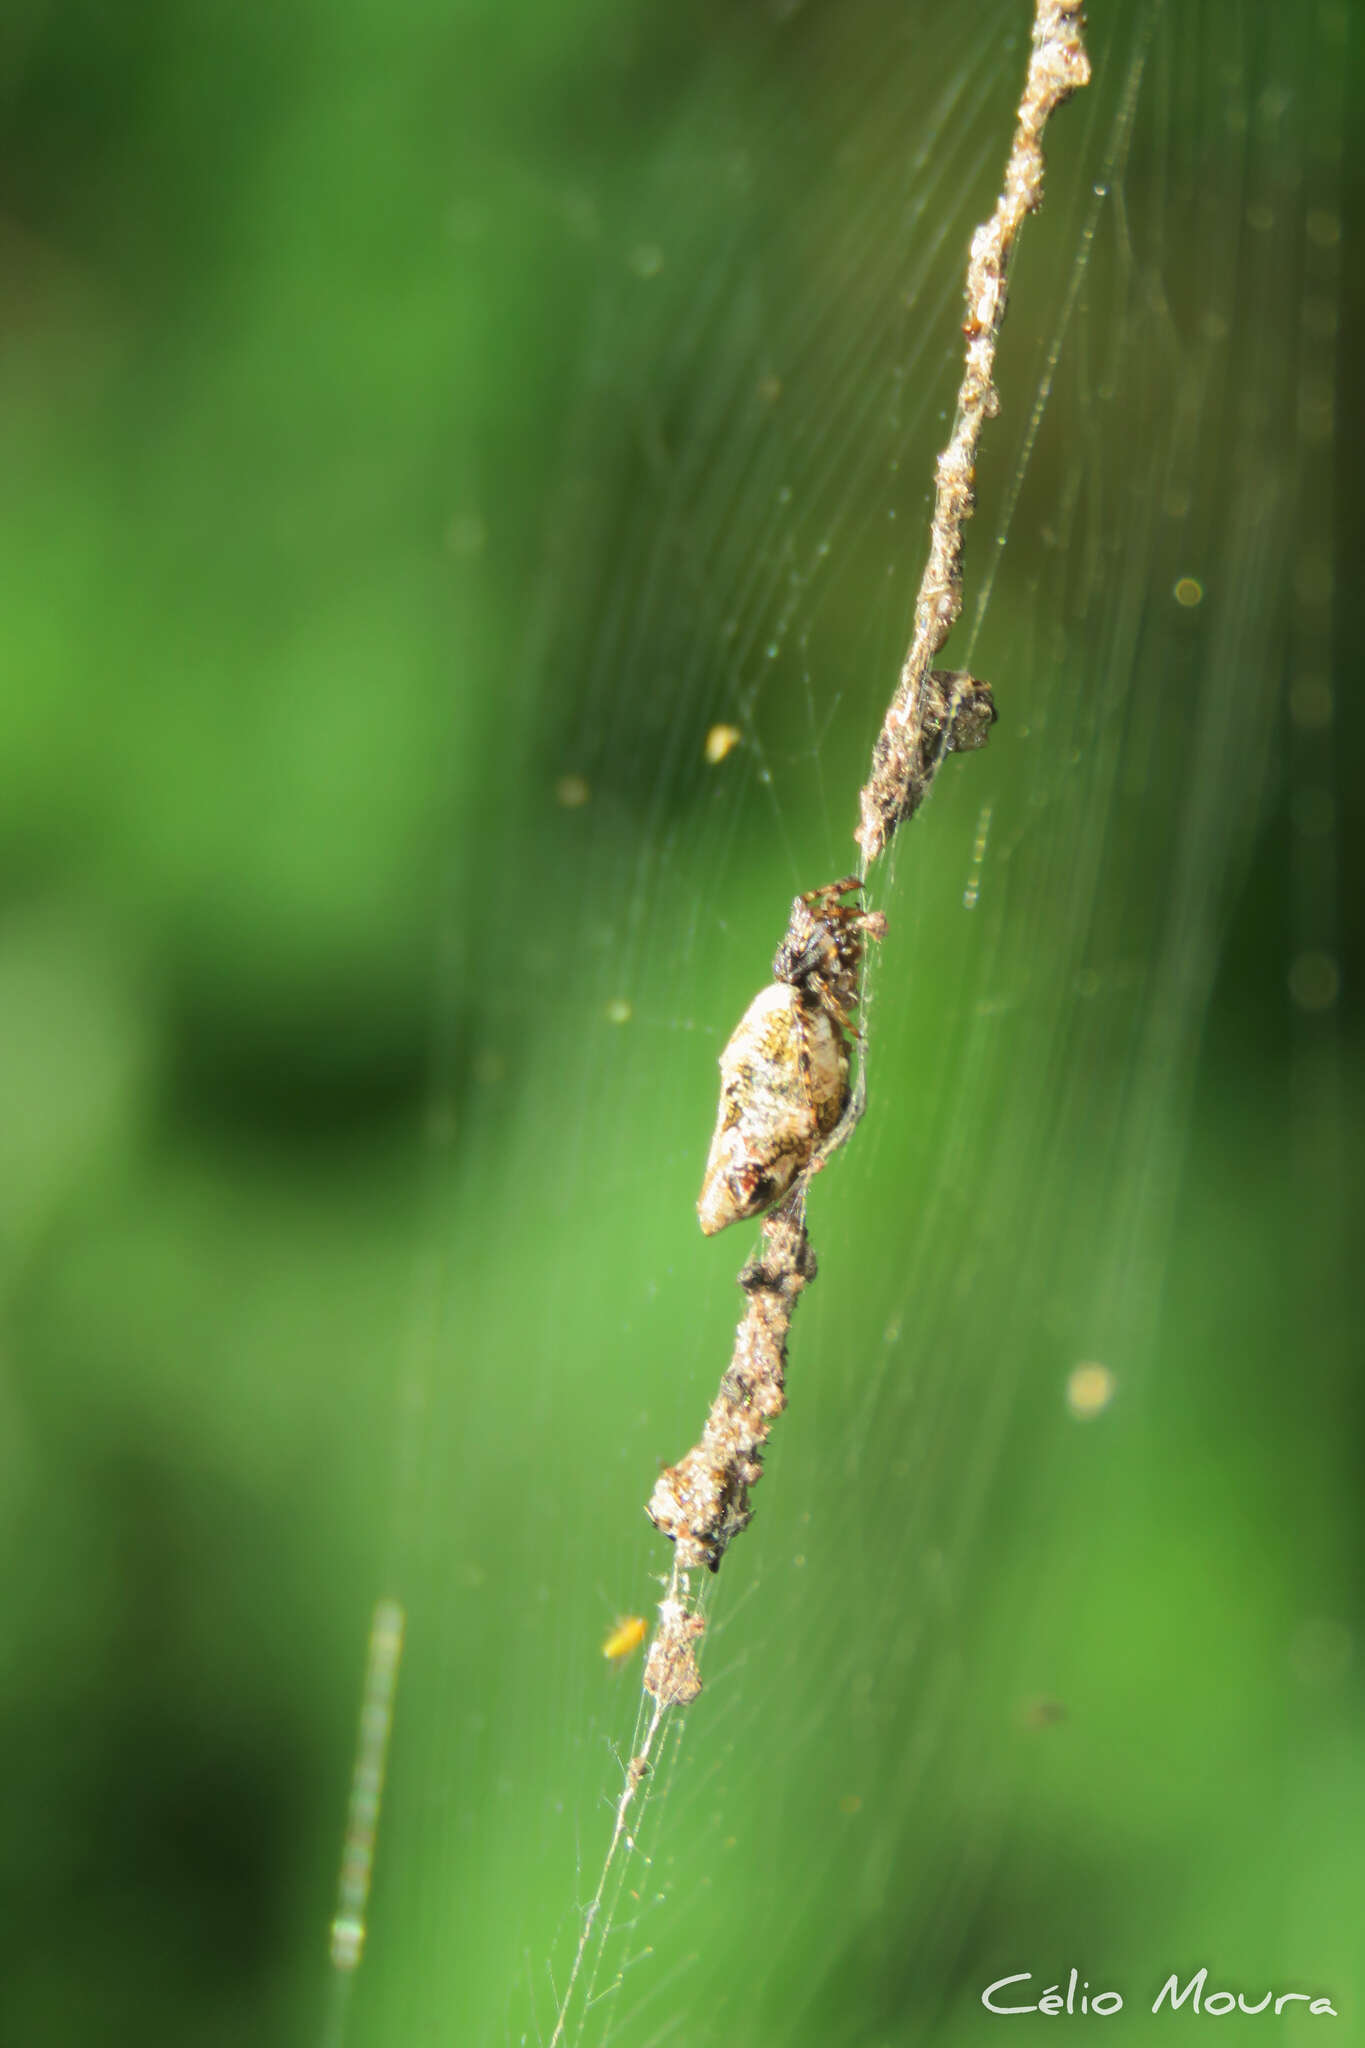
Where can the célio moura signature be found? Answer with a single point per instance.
(1007, 1996)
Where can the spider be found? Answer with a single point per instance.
(784, 1074)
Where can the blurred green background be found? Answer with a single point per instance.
(420, 426)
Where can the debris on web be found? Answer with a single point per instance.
(896, 786)
(702, 1503)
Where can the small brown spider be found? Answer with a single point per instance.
(784, 1074)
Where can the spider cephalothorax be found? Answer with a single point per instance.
(784, 1073)
(823, 949)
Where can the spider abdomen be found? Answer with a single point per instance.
(783, 1088)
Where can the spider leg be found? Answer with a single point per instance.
(834, 1006)
(830, 892)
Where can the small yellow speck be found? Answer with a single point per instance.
(626, 1635)
(1310, 702)
(851, 1803)
(720, 741)
(1319, 318)
(1189, 591)
(572, 792)
(619, 1011)
(580, 215)
(1320, 1652)
(1042, 1713)
(1089, 1390)
(1314, 981)
(770, 388)
(466, 536)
